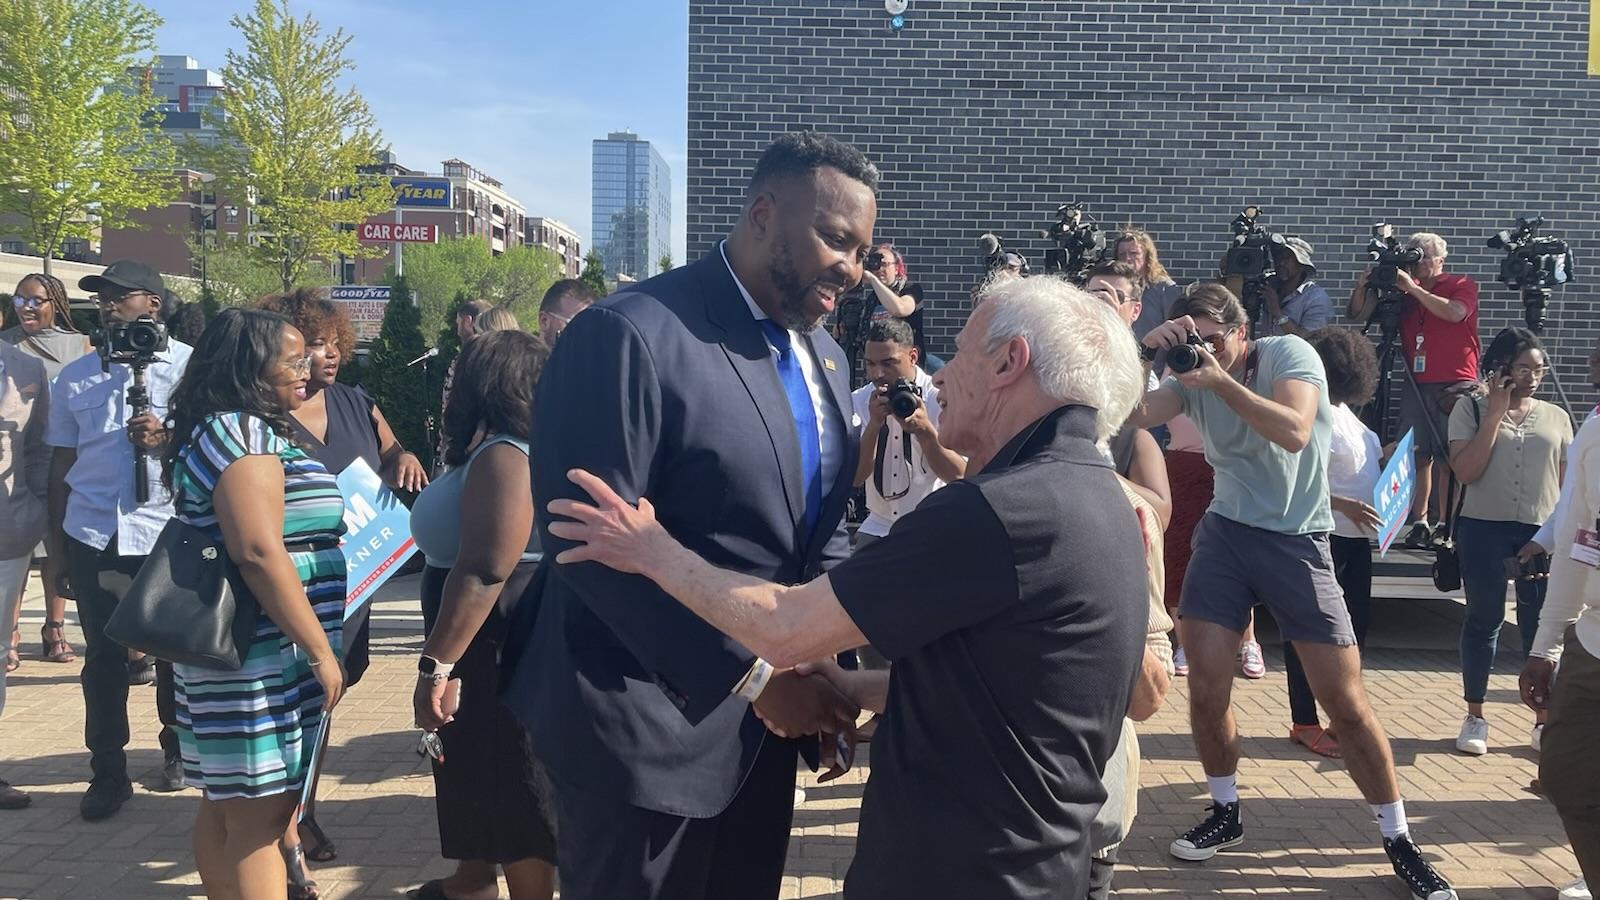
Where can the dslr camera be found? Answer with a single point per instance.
(1079, 246)
(903, 397)
(1186, 356)
(133, 343)
(874, 261)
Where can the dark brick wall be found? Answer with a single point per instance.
(1452, 116)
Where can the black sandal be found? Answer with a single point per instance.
(301, 885)
(56, 650)
(322, 850)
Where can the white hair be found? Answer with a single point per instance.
(1080, 349)
(1429, 243)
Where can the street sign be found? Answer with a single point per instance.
(413, 192)
(364, 305)
(397, 233)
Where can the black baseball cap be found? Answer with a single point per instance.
(128, 275)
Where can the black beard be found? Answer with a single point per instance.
(791, 293)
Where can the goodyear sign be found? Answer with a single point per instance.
(415, 192)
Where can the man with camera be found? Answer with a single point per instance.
(1439, 336)
(902, 461)
(107, 505)
(1262, 408)
(1294, 304)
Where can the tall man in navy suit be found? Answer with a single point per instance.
(711, 390)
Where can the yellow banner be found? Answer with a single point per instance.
(1594, 37)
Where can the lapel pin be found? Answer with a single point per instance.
(828, 364)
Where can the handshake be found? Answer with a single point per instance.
(819, 698)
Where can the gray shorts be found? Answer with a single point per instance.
(1416, 417)
(1234, 567)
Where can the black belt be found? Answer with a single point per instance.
(312, 546)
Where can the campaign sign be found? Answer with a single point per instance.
(1392, 497)
(377, 538)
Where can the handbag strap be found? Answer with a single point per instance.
(1452, 506)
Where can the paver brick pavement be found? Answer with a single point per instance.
(1308, 832)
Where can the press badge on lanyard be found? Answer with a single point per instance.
(1586, 547)
(1419, 361)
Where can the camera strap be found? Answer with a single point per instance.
(1250, 363)
(905, 455)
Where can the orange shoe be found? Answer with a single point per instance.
(1316, 739)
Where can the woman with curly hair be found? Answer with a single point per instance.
(1354, 465)
(337, 424)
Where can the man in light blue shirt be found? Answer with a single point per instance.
(102, 530)
(1293, 303)
(1262, 409)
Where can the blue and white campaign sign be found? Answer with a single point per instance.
(377, 537)
(1392, 497)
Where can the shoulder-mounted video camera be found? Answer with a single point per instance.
(1250, 256)
(1079, 242)
(1532, 260)
(133, 343)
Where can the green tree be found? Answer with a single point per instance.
(442, 272)
(665, 262)
(79, 149)
(291, 143)
(237, 276)
(523, 275)
(400, 390)
(594, 272)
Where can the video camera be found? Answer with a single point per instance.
(1079, 246)
(997, 257)
(1533, 264)
(1250, 258)
(1388, 258)
(133, 343)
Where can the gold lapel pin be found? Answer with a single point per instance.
(828, 364)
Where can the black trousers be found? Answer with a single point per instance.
(1352, 567)
(99, 578)
(611, 851)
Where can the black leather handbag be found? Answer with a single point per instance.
(188, 604)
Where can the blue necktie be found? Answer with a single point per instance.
(805, 420)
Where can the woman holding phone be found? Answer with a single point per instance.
(1507, 448)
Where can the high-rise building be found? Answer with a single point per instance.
(184, 91)
(632, 198)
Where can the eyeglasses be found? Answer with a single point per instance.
(299, 367)
(21, 302)
(107, 301)
(1536, 371)
(1217, 341)
(558, 317)
(1115, 298)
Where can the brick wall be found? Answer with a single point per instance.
(1452, 116)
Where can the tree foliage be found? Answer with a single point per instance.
(594, 272)
(457, 269)
(237, 276)
(291, 143)
(398, 389)
(79, 149)
(664, 264)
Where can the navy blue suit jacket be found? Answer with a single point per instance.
(668, 390)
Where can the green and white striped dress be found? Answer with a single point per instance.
(250, 733)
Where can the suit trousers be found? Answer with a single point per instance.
(99, 579)
(612, 850)
(1566, 758)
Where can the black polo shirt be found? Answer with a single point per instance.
(1005, 603)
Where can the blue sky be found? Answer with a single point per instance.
(518, 90)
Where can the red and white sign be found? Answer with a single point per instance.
(396, 233)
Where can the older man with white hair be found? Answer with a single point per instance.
(1002, 601)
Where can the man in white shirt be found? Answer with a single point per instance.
(102, 529)
(902, 461)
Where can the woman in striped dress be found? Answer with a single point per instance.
(247, 735)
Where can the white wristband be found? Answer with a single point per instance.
(440, 668)
(755, 681)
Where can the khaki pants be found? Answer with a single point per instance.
(1567, 766)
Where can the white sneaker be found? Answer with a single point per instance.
(1474, 737)
(1578, 890)
(1536, 740)
(1251, 663)
(1180, 663)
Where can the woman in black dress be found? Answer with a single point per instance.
(338, 424)
(495, 804)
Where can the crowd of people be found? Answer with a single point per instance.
(644, 609)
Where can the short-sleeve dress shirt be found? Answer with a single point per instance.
(1011, 605)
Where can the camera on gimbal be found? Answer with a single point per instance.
(1250, 258)
(903, 397)
(1079, 246)
(133, 343)
(1388, 258)
(1533, 265)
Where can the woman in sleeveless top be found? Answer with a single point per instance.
(39, 323)
(248, 735)
(496, 806)
(338, 424)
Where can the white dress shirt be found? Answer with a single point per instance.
(1573, 592)
(1353, 471)
(89, 414)
(911, 479)
(1545, 536)
(830, 430)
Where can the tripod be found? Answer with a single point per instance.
(1534, 300)
(1387, 315)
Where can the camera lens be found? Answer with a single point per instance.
(903, 398)
(143, 338)
(1183, 358)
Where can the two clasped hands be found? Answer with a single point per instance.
(819, 698)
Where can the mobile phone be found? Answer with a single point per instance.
(451, 701)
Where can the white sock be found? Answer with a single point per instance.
(1391, 818)
(1224, 789)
